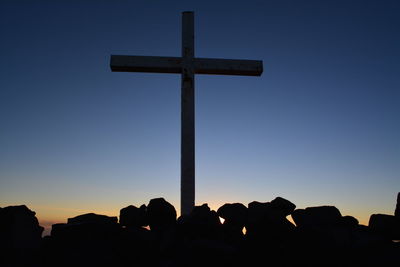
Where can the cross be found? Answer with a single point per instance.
(187, 66)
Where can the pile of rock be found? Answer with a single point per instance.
(152, 235)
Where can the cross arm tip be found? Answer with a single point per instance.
(241, 67)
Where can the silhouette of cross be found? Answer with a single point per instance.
(187, 66)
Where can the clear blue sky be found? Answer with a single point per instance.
(319, 127)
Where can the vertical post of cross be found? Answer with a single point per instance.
(187, 115)
(187, 66)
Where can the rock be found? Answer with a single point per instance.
(202, 215)
(86, 240)
(20, 237)
(89, 227)
(283, 205)
(200, 212)
(161, 214)
(200, 223)
(259, 211)
(323, 231)
(235, 215)
(267, 225)
(387, 225)
(277, 208)
(316, 216)
(80, 230)
(397, 211)
(132, 216)
(19, 228)
(267, 212)
(57, 229)
(349, 221)
(365, 238)
(235, 218)
(92, 218)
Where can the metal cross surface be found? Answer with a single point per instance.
(187, 66)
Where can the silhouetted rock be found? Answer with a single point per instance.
(277, 208)
(387, 225)
(397, 210)
(235, 215)
(200, 223)
(136, 247)
(85, 226)
(20, 237)
(316, 216)
(283, 205)
(268, 233)
(322, 237)
(160, 214)
(202, 241)
(132, 216)
(88, 239)
(349, 221)
(365, 238)
(19, 228)
(263, 214)
(92, 218)
(57, 229)
(267, 224)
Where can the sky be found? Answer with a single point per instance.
(319, 127)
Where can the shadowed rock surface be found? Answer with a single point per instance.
(20, 236)
(92, 218)
(387, 225)
(321, 236)
(132, 216)
(161, 215)
(235, 219)
(200, 223)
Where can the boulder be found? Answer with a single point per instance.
(89, 227)
(202, 215)
(19, 228)
(275, 211)
(132, 216)
(161, 214)
(260, 210)
(92, 218)
(387, 225)
(267, 225)
(20, 237)
(57, 229)
(349, 222)
(234, 214)
(85, 240)
(200, 223)
(317, 216)
(283, 205)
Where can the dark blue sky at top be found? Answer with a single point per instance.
(323, 117)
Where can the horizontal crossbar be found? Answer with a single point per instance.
(146, 64)
(173, 65)
(228, 66)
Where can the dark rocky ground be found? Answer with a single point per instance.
(321, 237)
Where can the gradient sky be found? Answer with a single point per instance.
(319, 127)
